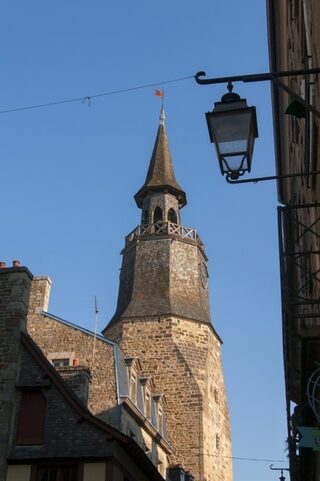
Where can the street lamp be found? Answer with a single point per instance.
(233, 128)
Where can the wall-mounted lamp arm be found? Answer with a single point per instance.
(263, 77)
(256, 77)
(231, 180)
(282, 478)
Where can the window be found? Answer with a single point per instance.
(217, 441)
(148, 406)
(58, 473)
(216, 395)
(61, 358)
(31, 418)
(160, 421)
(133, 388)
(60, 362)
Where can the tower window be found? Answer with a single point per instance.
(216, 395)
(217, 441)
(172, 216)
(157, 215)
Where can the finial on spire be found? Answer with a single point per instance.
(162, 116)
(160, 93)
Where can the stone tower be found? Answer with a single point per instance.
(163, 318)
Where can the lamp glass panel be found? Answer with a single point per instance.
(234, 163)
(231, 131)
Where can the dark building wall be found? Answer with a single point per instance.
(66, 433)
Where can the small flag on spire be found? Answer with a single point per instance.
(96, 305)
(158, 93)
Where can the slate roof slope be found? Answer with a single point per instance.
(160, 176)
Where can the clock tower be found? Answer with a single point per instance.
(163, 318)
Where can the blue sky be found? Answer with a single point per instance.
(69, 173)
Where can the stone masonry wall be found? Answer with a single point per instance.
(14, 296)
(54, 336)
(184, 359)
(163, 275)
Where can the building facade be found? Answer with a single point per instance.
(47, 431)
(294, 44)
(148, 396)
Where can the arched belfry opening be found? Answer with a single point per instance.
(172, 216)
(145, 217)
(157, 215)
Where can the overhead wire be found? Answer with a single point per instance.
(90, 97)
(237, 458)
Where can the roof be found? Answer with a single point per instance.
(130, 446)
(160, 176)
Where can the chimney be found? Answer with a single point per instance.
(40, 294)
(78, 379)
(14, 298)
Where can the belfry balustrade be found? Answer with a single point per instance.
(163, 228)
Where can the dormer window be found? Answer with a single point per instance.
(148, 405)
(160, 420)
(134, 367)
(133, 388)
(157, 412)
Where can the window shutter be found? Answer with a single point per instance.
(31, 420)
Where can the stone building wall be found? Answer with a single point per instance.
(52, 336)
(57, 339)
(14, 297)
(162, 275)
(184, 359)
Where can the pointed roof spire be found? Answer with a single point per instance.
(160, 176)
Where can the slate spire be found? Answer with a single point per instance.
(160, 176)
